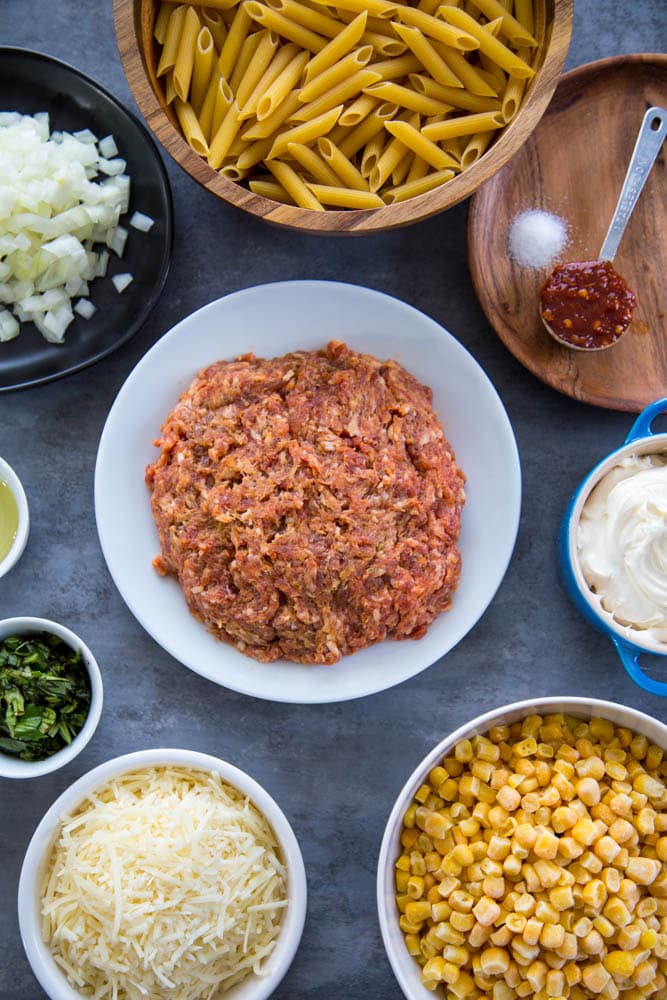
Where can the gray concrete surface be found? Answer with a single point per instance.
(334, 769)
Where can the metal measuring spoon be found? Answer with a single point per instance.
(586, 305)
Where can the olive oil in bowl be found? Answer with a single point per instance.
(9, 519)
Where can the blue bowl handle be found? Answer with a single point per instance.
(642, 425)
(629, 656)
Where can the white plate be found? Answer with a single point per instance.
(271, 320)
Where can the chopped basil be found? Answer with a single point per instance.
(44, 695)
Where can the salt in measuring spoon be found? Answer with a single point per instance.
(586, 305)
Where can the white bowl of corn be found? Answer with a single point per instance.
(526, 856)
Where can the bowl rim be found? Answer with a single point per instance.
(640, 638)
(38, 953)
(15, 486)
(14, 767)
(392, 936)
(557, 34)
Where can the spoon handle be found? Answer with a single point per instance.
(650, 139)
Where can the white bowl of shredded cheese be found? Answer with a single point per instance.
(162, 873)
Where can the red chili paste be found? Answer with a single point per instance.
(587, 303)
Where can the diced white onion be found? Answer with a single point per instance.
(52, 215)
(85, 308)
(141, 221)
(121, 281)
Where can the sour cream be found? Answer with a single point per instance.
(622, 542)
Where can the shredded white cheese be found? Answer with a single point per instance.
(166, 882)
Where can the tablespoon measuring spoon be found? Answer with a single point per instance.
(586, 305)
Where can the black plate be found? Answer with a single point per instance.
(32, 82)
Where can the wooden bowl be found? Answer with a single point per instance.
(134, 20)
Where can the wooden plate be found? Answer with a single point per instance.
(573, 165)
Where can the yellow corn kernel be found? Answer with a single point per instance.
(418, 911)
(644, 974)
(645, 821)
(594, 894)
(415, 887)
(412, 944)
(621, 804)
(572, 973)
(561, 898)
(512, 866)
(469, 827)
(501, 937)
(417, 863)
(494, 961)
(427, 948)
(508, 798)
(525, 748)
(546, 845)
(595, 977)
(646, 907)
(486, 911)
(606, 849)
(463, 751)
(628, 938)
(617, 912)
(455, 954)
(449, 935)
(548, 873)
(422, 793)
(582, 927)
(619, 963)
(448, 790)
(536, 975)
(590, 767)
(401, 879)
(453, 767)
(423, 844)
(409, 838)
(555, 983)
(440, 911)
(523, 952)
(621, 830)
(592, 943)
(482, 769)
(601, 729)
(611, 879)
(552, 936)
(462, 921)
(436, 777)
(532, 930)
(436, 825)
(584, 831)
(407, 926)
(447, 885)
(643, 871)
(543, 772)
(653, 757)
(461, 901)
(604, 926)
(463, 987)
(486, 750)
(515, 922)
(649, 786)
(433, 970)
(569, 949)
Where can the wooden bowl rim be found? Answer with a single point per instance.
(349, 222)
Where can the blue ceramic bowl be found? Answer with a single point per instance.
(630, 642)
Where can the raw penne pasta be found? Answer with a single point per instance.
(244, 58)
(270, 125)
(512, 29)
(390, 157)
(485, 121)
(383, 44)
(336, 74)
(306, 132)
(313, 164)
(191, 129)
(341, 165)
(318, 22)
(338, 47)
(293, 184)
(419, 144)
(285, 55)
(467, 74)
(372, 152)
(172, 38)
(161, 22)
(374, 8)
(212, 19)
(427, 55)
(407, 98)
(456, 96)
(223, 101)
(394, 69)
(490, 46)
(513, 93)
(202, 69)
(357, 111)
(348, 104)
(259, 63)
(371, 126)
(343, 91)
(475, 147)
(450, 34)
(253, 153)
(224, 137)
(272, 190)
(282, 25)
(185, 56)
(278, 89)
(418, 169)
(345, 198)
(417, 186)
(238, 30)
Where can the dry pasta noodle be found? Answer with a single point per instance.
(344, 104)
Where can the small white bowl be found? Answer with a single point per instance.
(8, 476)
(14, 767)
(254, 987)
(406, 969)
